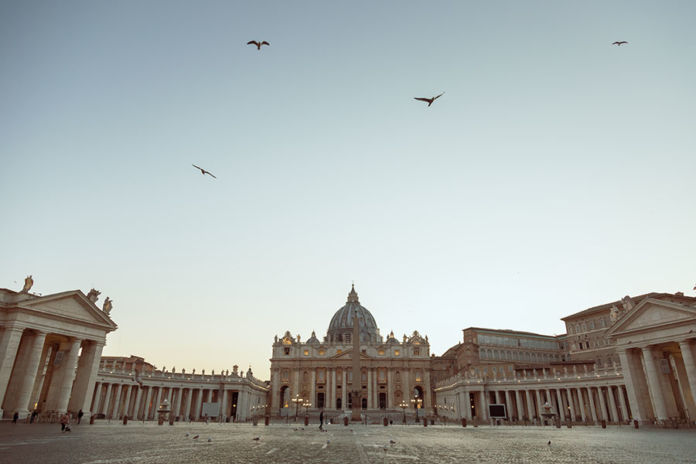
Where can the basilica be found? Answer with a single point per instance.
(629, 360)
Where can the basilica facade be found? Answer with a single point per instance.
(317, 374)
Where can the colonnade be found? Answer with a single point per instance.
(48, 372)
(577, 404)
(661, 380)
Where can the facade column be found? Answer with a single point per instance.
(612, 404)
(369, 388)
(88, 366)
(390, 390)
(61, 385)
(689, 365)
(138, 406)
(467, 405)
(313, 387)
(9, 345)
(26, 373)
(602, 405)
(223, 403)
(654, 386)
(581, 404)
(539, 405)
(344, 404)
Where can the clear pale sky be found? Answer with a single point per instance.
(556, 173)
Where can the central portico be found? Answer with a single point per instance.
(352, 370)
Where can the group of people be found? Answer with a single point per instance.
(64, 419)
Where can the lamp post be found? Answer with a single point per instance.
(416, 402)
(403, 407)
(306, 405)
(297, 400)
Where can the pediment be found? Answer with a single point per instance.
(349, 355)
(73, 306)
(652, 313)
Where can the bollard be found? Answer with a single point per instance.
(125, 420)
(385, 421)
(558, 423)
(345, 421)
(160, 420)
(425, 422)
(604, 424)
(171, 419)
(267, 419)
(569, 424)
(306, 420)
(91, 420)
(463, 421)
(255, 421)
(635, 423)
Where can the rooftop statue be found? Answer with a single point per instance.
(28, 283)
(614, 314)
(93, 295)
(107, 305)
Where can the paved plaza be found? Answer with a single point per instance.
(234, 443)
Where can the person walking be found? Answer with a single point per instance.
(15, 417)
(321, 420)
(79, 415)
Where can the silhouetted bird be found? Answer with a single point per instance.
(549, 443)
(429, 100)
(209, 440)
(392, 442)
(620, 43)
(196, 437)
(256, 438)
(204, 172)
(258, 44)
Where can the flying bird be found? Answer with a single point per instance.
(619, 43)
(258, 44)
(204, 172)
(429, 100)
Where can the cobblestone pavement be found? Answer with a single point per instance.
(288, 444)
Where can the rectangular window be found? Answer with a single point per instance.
(416, 352)
(286, 350)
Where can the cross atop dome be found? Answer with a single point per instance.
(353, 295)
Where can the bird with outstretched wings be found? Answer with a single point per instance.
(258, 44)
(619, 43)
(203, 171)
(428, 100)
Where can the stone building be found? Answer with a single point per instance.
(50, 347)
(393, 373)
(624, 360)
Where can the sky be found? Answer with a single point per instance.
(556, 173)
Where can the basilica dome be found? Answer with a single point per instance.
(341, 326)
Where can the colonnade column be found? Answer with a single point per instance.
(561, 411)
(593, 410)
(138, 397)
(530, 404)
(626, 358)
(187, 408)
(126, 404)
(510, 411)
(571, 404)
(602, 405)
(622, 403)
(105, 404)
(199, 401)
(484, 405)
(539, 404)
(25, 373)
(581, 404)
(654, 386)
(689, 365)
(61, 385)
(117, 402)
(158, 401)
(146, 408)
(223, 413)
(87, 369)
(518, 403)
(612, 404)
(9, 344)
